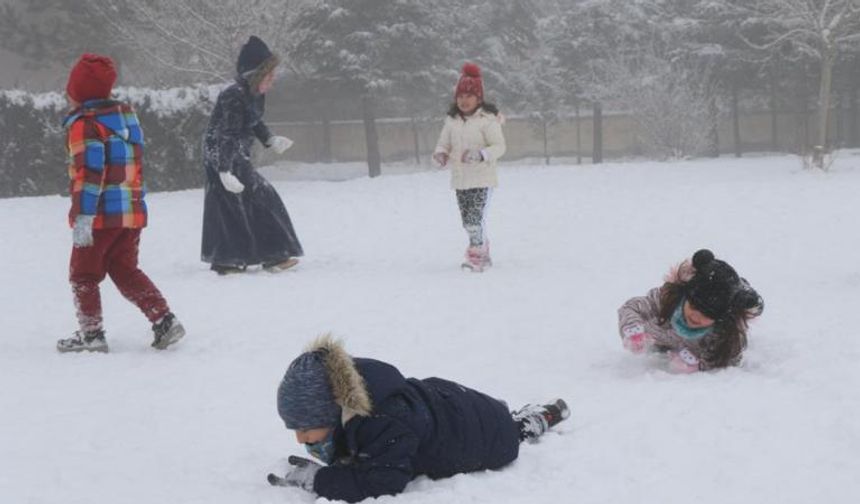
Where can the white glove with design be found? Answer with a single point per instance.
(280, 144)
(471, 156)
(231, 183)
(82, 234)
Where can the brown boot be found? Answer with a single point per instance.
(281, 266)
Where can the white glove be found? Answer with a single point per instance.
(280, 144)
(302, 474)
(231, 183)
(82, 234)
(683, 362)
(472, 156)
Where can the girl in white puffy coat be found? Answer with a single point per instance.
(470, 143)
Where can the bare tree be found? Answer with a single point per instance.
(193, 40)
(821, 30)
(672, 106)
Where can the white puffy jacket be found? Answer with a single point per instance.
(480, 131)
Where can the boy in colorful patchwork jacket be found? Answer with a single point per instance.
(698, 317)
(377, 430)
(105, 146)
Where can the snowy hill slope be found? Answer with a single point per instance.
(198, 423)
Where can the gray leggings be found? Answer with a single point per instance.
(473, 203)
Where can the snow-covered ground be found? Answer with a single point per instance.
(198, 424)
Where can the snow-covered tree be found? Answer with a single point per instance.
(194, 39)
(597, 33)
(603, 40)
(500, 35)
(821, 30)
(543, 83)
(44, 32)
(371, 50)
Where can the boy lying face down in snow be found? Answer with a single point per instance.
(377, 430)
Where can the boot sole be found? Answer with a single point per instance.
(103, 349)
(562, 406)
(289, 263)
(473, 269)
(230, 272)
(563, 412)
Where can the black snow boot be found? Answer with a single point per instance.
(167, 331)
(533, 420)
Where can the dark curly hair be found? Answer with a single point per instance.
(454, 110)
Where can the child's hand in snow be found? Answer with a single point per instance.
(639, 343)
(636, 339)
(683, 362)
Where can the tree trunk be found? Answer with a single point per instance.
(374, 168)
(325, 154)
(824, 103)
(736, 120)
(578, 134)
(802, 117)
(713, 130)
(415, 141)
(774, 134)
(597, 133)
(837, 138)
(853, 123)
(545, 141)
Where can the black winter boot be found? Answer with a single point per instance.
(167, 331)
(533, 420)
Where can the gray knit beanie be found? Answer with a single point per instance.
(305, 399)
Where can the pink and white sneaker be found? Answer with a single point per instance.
(477, 258)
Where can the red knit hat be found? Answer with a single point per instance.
(470, 82)
(91, 78)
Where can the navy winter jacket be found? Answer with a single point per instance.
(433, 427)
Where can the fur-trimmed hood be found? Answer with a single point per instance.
(347, 385)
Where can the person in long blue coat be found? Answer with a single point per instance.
(375, 430)
(244, 220)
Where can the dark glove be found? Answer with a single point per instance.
(301, 475)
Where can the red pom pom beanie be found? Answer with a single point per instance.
(470, 82)
(92, 77)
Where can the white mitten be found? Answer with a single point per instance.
(82, 234)
(231, 183)
(473, 156)
(280, 144)
(683, 362)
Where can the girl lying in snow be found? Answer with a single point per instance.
(698, 317)
(377, 430)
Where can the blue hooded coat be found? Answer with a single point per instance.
(251, 227)
(393, 429)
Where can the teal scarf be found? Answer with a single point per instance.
(679, 324)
